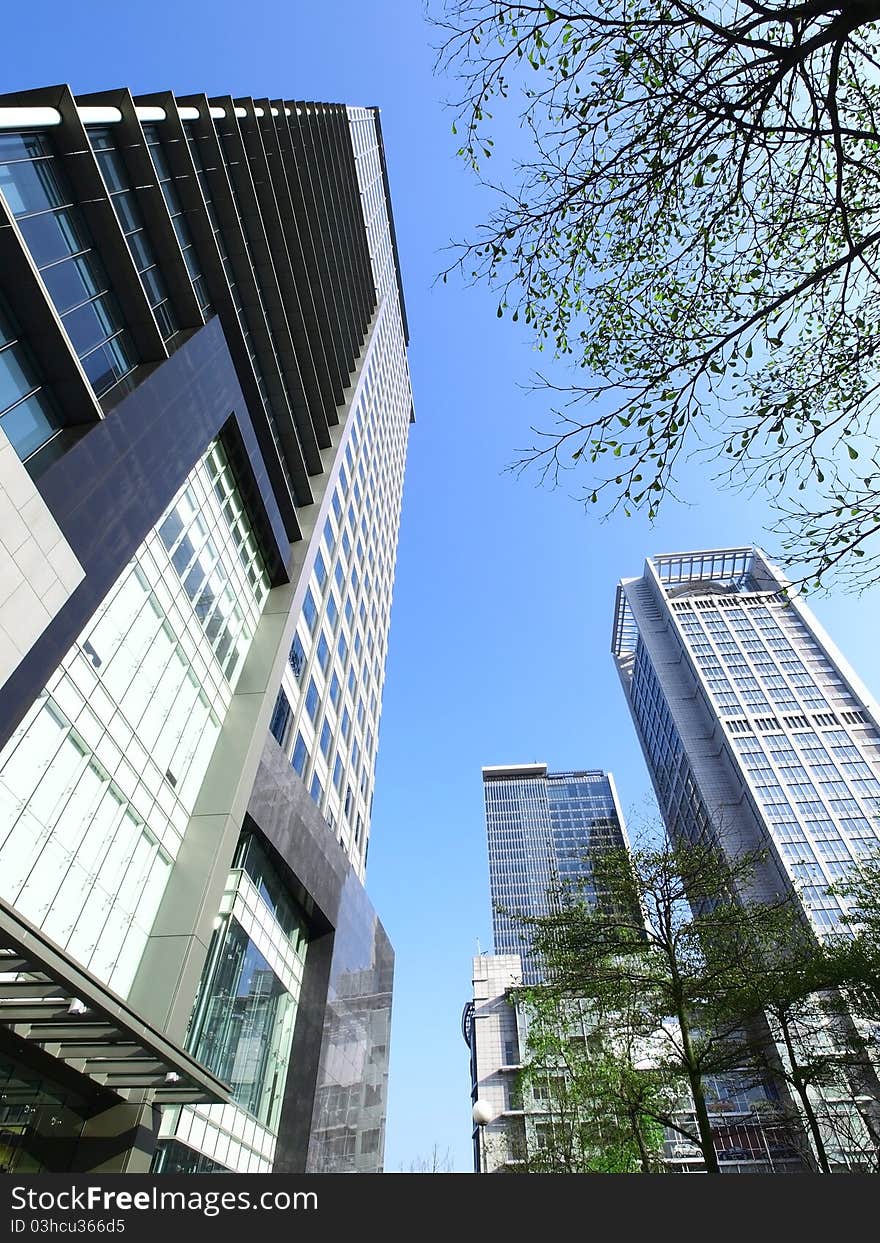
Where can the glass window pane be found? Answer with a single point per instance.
(89, 325)
(100, 369)
(22, 146)
(112, 169)
(51, 236)
(30, 186)
(141, 250)
(70, 282)
(29, 424)
(127, 211)
(16, 376)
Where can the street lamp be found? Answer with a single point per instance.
(482, 1113)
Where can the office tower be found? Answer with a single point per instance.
(205, 405)
(543, 829)
(754, 728)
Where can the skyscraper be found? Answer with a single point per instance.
(204, 404)
(543, 830)
(753, 726)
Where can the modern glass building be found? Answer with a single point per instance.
(754, 728)
(543, 831)
(542, 828)
(204, 411)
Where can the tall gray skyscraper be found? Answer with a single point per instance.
(204, 410)
(542, 828)
(753, 725)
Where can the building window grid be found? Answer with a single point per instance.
(142, 698)
(366, 418)
(173, 206)
(27, 410)
(128, 213)
(61, 248)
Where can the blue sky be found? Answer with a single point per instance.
(501, 627)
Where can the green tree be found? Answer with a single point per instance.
(592, 1110)
(689, 212)
(662, 944)
(788, 982)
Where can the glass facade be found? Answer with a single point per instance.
(243, 1021)
(178, 219)
(128, 213)
(98, 782)
(796, 730)
(61, 247)
(543, 830)
(27, 412)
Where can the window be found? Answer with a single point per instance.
(332, 611)
(326, 739)
(346, 724)
(337, 773)
(128, 213)
(56, 236)
(335, 691)
(323, 653)
(320, 570)
(310, 610)
(312, 700)
(27, 414)
(316, 790)
(297, 657)
(280, 718)
(300, 756)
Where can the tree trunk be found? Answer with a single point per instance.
(800, 1087)
(695, 1080)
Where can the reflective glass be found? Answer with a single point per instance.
(70, 282)
(89, 325)
(51, 236)
(16, 376)
(29, 424)
(30, 187)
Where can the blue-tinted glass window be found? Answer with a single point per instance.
(316, 790)
(54, 230)
(323, 653)
(346, 724)
(27, 415)
(310, 610)
(337, 773)
(300, 756)
(320, 570)
(280, 718)
(332, 611)
(297, 657)
(326, 739)
(313, 700)
(335, 691)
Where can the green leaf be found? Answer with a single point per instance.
(853, 453)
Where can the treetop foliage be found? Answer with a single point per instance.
(694, 224)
